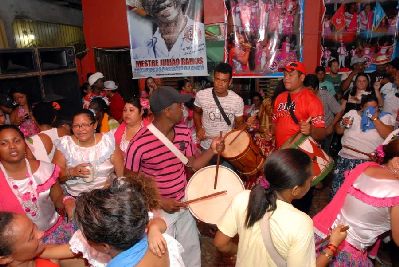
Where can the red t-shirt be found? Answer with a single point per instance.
(116, 105)
(306, 104)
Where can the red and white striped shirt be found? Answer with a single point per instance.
(147, 154)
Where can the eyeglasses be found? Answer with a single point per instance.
(83, 125)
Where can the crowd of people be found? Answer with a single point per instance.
(107, 186)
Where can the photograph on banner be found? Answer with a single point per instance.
(167, 38)
(263, 36)
(359, 30)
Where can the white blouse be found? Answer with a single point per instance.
(99, 156)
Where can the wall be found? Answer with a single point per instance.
(105, 25)
(36, 10)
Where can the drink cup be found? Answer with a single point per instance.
(90, 177)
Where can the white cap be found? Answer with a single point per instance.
(110, 85)
(94, 77)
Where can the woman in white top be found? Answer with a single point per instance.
(88, 160)
(358, 142)
(41, 145)
(368, 202)
(289, 174)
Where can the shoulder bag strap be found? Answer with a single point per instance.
(291, 109)
(267, 240)
(226, 119)
(167, 143)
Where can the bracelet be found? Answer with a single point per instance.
(329, 256)
(65, 198)
(376, 118)
(333, 248)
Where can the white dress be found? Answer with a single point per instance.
(99, 156)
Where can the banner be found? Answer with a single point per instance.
(354, 29)
(167, 38)
(265, 36)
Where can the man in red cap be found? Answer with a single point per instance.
(298, 109)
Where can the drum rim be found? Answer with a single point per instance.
(210, 166)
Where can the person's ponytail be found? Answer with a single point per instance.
(261, 200)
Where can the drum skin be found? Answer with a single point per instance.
(201, 184)
(322, 163)
(243, 153)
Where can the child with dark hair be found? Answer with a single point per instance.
(260, 218)
(22, 114)
(117, 228)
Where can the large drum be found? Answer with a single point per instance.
(202, 183)
(322, 162)
(243, 153)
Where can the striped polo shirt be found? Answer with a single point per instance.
(147, 154)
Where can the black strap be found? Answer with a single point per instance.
(226, 119)
(291, 109)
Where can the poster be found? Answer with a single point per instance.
(359, 29)
(265, 35)
(167, 38)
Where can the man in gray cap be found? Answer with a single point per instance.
(148, 154)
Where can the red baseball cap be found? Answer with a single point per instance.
(295, 66)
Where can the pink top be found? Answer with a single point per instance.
(28, 127)
(43, 179)
(147, 154)
(366, 209)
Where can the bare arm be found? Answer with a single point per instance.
(57, 252)
(347, 82)
(199, 129)
(238, 121)
(382, 129)
(118, 161)
(318, 133)
(59, 160)
(224, 243)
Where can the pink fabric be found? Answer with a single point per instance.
(8, 201)
(50, 181)
(55, 226)
(119, 133)
(373, 201)
(325, 218)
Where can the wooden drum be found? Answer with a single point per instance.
(243, 153)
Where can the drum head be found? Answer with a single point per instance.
(201, 184)
(238, 146)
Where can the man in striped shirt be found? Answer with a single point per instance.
(147, 154)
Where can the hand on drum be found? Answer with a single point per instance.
(217, 145)
(305, 127)
(171, 205)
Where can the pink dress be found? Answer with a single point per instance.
(28, 127)
(31, 196)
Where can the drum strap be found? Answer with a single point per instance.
(268, 242)
(167, 143)
(291, 109)
(226, 119)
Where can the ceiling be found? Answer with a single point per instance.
(77, 4)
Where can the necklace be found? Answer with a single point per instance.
(29, 199)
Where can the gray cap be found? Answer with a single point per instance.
(165, 96)
(356, 59)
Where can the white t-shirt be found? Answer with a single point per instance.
(366, 141)
(291, 232)
(212, 119)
